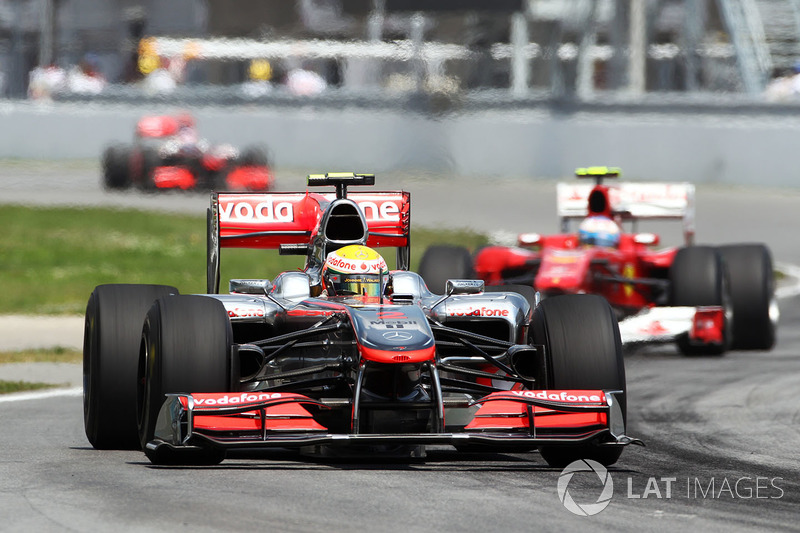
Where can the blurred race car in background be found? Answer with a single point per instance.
(344, 354)
(707, 299)
(167, 154)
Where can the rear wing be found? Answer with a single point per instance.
(632, 201)
(269, 220)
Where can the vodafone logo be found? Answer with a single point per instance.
(478, 311)
(244, 397)
(562, 396)
(265, 211)
(387, 210)
(348, 266)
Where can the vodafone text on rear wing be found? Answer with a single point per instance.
(631, 202)
(272, 220)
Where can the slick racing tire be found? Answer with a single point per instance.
(583, 350)
(254, 156)
(185, 347)
(112, 334)
(442, 262)
(752, 292)
(149, 160)
(116, 173)
(697, 278)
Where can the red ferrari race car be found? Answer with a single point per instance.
(344, 354)
(707, 299)
(167, 154)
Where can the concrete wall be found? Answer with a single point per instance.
(745, 148)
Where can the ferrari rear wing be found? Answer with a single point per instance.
(633, 201)
(269, 220)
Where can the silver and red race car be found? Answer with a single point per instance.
(288, 362)
(167, 154)
(706, 299)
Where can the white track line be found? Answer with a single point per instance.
(52, 393)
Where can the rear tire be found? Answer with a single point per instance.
(584, 351)
(752, 291)
(442, 262)
(185, 348)
(698, 278)
(112, 333)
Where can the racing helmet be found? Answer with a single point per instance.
(354, 270)
(599, 231)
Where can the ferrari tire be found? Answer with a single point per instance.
(698, 278)
(185, 347)
(583, 350)
(112, 333)
(116, 160)
(442, 262)
(752, 292)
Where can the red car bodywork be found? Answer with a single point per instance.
(166, 154)
(633, 277)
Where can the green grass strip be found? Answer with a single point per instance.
(51, 258)
(7, 387)
(45, 355)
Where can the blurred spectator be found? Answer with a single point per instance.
(303, 82)
(783, 88)
(259, 73)
(44, 82)
(160, 80)
(85, 77)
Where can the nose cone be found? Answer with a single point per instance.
(563, 271)
(393, 334)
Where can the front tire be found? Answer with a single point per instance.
(116, 161)
(583, 350)
(442, 262)
(698, 278)
(752, 291)
(185, 348)
(112, 333)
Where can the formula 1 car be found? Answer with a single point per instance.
(705, 299)
(289, 363)
(167, 154)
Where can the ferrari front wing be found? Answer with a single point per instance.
(702, 326)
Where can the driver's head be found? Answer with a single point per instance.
(354, 270)
(599, 231)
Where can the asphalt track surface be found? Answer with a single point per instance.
(721, 432)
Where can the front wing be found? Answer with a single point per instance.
(193, 422)
(702, 326)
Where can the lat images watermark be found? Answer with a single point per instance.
(603, 481)
(586, 488)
